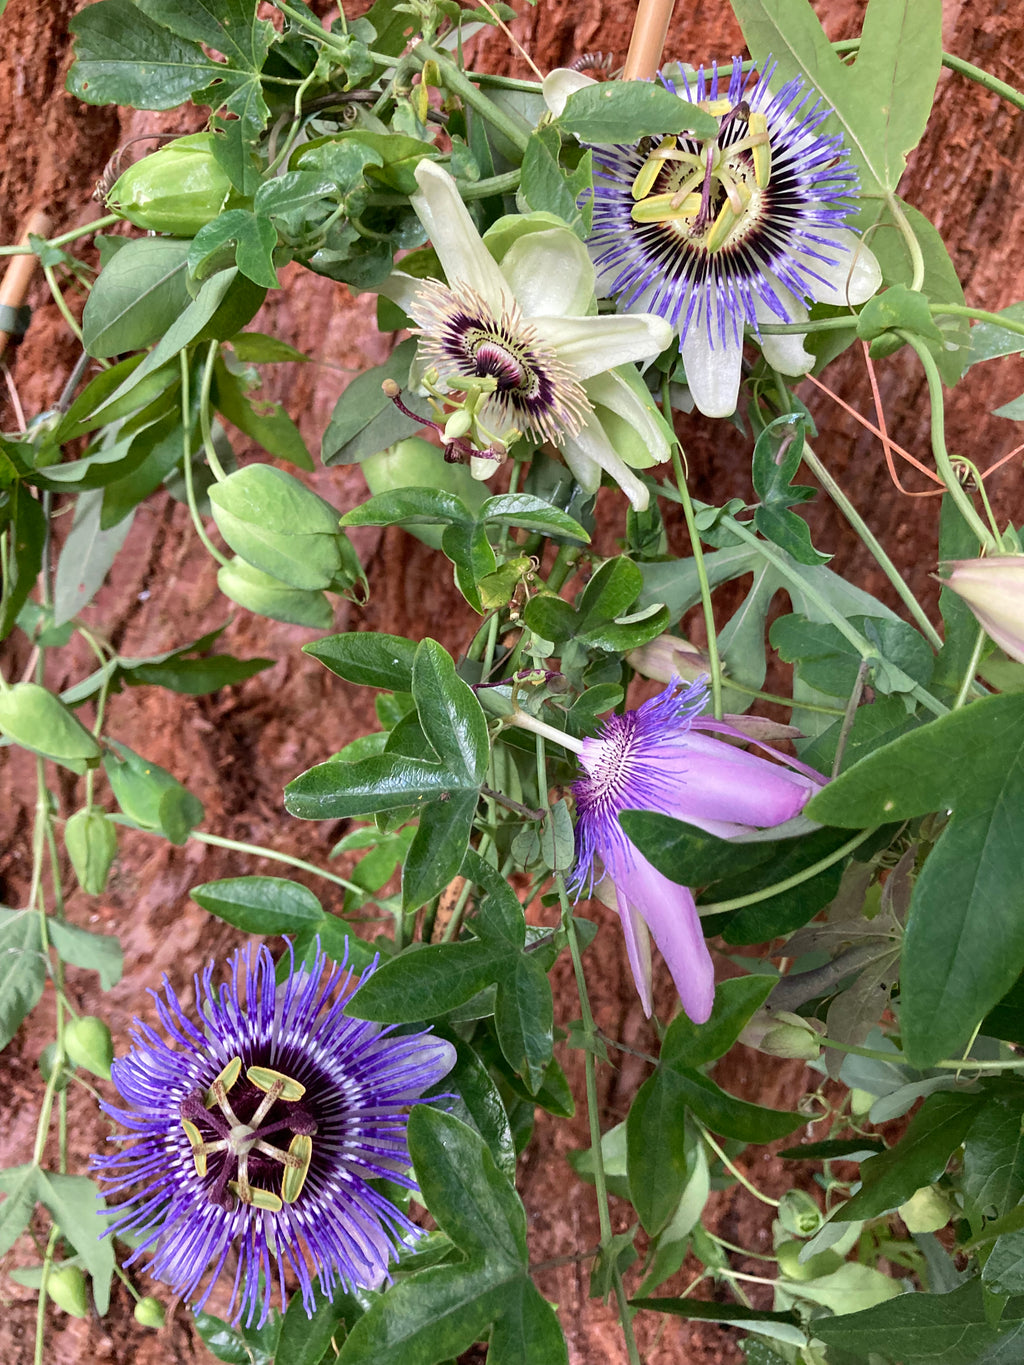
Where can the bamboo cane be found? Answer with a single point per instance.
(16, 281)
(650, 29)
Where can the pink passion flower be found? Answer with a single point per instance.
(656, 759)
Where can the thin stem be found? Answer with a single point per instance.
(61, 303)
(205, 424)
(86, 230)
(190, 492)
(850, 716)
(540, 727)
(755, 692)
(868, 538)
(912, 244)
(970, 671)
(714, 658)
(51, 1246)
(777, 888)
(590, 1036)
(942, 460)
(455, 922)
(258, 851)
(734, 1170)
(863, 647)
(964, 310)
(457, 83)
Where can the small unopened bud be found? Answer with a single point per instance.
(150, 1312)
(458, 424)
(824, 1263)
(668, 657)
(90, 838)
(799, 1214)
(390, 388)
(782, 1034)
(994, 590)
(65, 1285)
(927, 1210)
(87, 1043)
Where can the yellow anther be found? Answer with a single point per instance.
(195, 1141)
(762, 150)
(648, 172)
(715, 107)
(225, 1081)
(662, 208)
(300, 1152)
(259, 1199)
(263, 1078)
(721, 228)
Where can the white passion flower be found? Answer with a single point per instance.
(513, 342)
(743, 229)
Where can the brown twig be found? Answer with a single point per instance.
(18, 276)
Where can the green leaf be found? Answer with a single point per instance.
(138, 295)
(478, 1102)
(989, 340)
(19, 1186)
(1003, 1272)
(367, 658)
(882, 100)
(531, 514)
(99, 953)
(919, 1158)
(76, 1206)
(271, 426)
(657, 1151)
(339, 791)
(731, 1117)
(524, 1019)
(930, 1329)
(22, 969)
(365, 420)
(305, 1340)
(123, 57)
(253, 240)
(450, 714)
(239, 1345)
(436, 853)
(426, 982)
(35, 719)
(783, 1326)
(895, 307)
(549, 188)
(993, 1176)
(86, 557)
(196, 677)
(410, 507)
(626, 111)
(528, 1330)
(260, 905)
(611, 592)
(27, 536)
(964, 945)
(693, 1045)
(777, 455)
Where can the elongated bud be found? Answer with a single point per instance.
(90, 838)
(65, 1285)
(994, 590)
(177, 190)
(669, 657)
(88, 1043)
(279, 526)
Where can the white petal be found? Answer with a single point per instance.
(550, 274)
(401, 289)
(852, 280)
(712, 372)
(560, 84)
(453, 233)
(590, 450)
(784, 353)
(613, 390)
(591, 345)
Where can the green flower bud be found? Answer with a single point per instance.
(812, 1269)
(177, 190)
(860, 1102)
(65, 1285)
(150, 1312)
(799, 1214)
(268, 596)
(46, 1062)
(927, 1210)
(90, 837)
(37, 720)
(88, 1043)
(279, 526)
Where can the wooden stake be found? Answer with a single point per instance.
(16, 281)
(650, 30)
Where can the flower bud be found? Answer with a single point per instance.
(65, 1285)
(149, 1312)
(668, 657)
(90, 838)
(268, 596)
(177, 190)
(927, 1210)
(994, 590)
(812, 1269)
(88, 1043)
(279, 526)
(799, 1214)
(782, 1034)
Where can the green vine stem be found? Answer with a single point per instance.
(942, 460)
(872, 543)
(777, 888)
(86, 230)
(259, 851)
(470, 94)
(205, 422)
(190, 492)
(714, 658)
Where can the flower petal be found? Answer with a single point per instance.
(591, 345)
(632, 403)
(559, 84)
(550, 274)
(591, 447)
(712, 372)
(715, 781)
(453, 234)
(785, 353)
(852, 279)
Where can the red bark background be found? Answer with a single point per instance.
(237, 749)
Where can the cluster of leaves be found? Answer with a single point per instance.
(912, 977)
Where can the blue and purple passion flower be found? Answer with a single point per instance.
(745, 228)
(654, 758)
(255, 1135)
